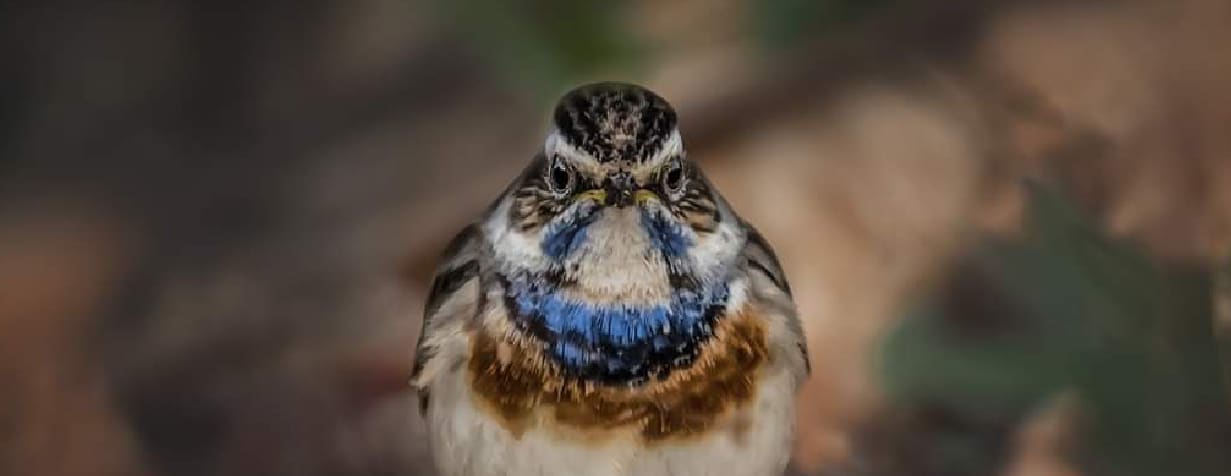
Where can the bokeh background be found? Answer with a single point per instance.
(1007, 222)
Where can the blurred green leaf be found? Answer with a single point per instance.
(1067, 308)
(786, 23)
(548, 45)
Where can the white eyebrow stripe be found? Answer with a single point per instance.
(673, 145)
(556, 145)
(587, 164)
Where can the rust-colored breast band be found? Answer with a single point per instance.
(521, 388)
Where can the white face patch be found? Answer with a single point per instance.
(712, 254)
(514, 251)
(616, 241)
(616, 260)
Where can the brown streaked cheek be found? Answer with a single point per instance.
(533, 207)
(699, 210)
(701, 221)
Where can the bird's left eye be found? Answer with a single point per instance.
(559, 176)
(673, 177)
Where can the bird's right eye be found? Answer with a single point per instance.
(559, 176)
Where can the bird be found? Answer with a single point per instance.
(610, 314)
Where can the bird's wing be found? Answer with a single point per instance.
(761, 259)
(451, 302)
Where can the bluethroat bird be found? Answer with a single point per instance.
(610, 314)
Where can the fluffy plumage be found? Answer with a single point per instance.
(610, 314)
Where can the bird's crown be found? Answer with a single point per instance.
(615, 121)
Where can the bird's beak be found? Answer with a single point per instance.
(620, 198)
(620, 191)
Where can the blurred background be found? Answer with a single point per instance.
(1007, 223)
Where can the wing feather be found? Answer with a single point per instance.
(459, 266)
(761, 259)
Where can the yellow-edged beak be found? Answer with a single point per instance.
(642, 196)
(599, 195)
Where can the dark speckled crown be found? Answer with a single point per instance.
(615, 121)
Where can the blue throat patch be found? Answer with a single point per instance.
(565, 236)
(616, 344)
(666, 234)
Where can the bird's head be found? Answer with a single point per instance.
(614, 251)
(613, 187)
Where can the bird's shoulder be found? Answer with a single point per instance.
(761, 258)
(772, 291)
(452, 299)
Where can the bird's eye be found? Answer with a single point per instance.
(673, 177)
(559, 176)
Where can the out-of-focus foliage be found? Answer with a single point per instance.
(785, 23)
(219, 224)
(547, 45)
(1065, 309)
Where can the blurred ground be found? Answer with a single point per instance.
(218, 223)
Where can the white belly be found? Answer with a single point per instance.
(467, 441)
